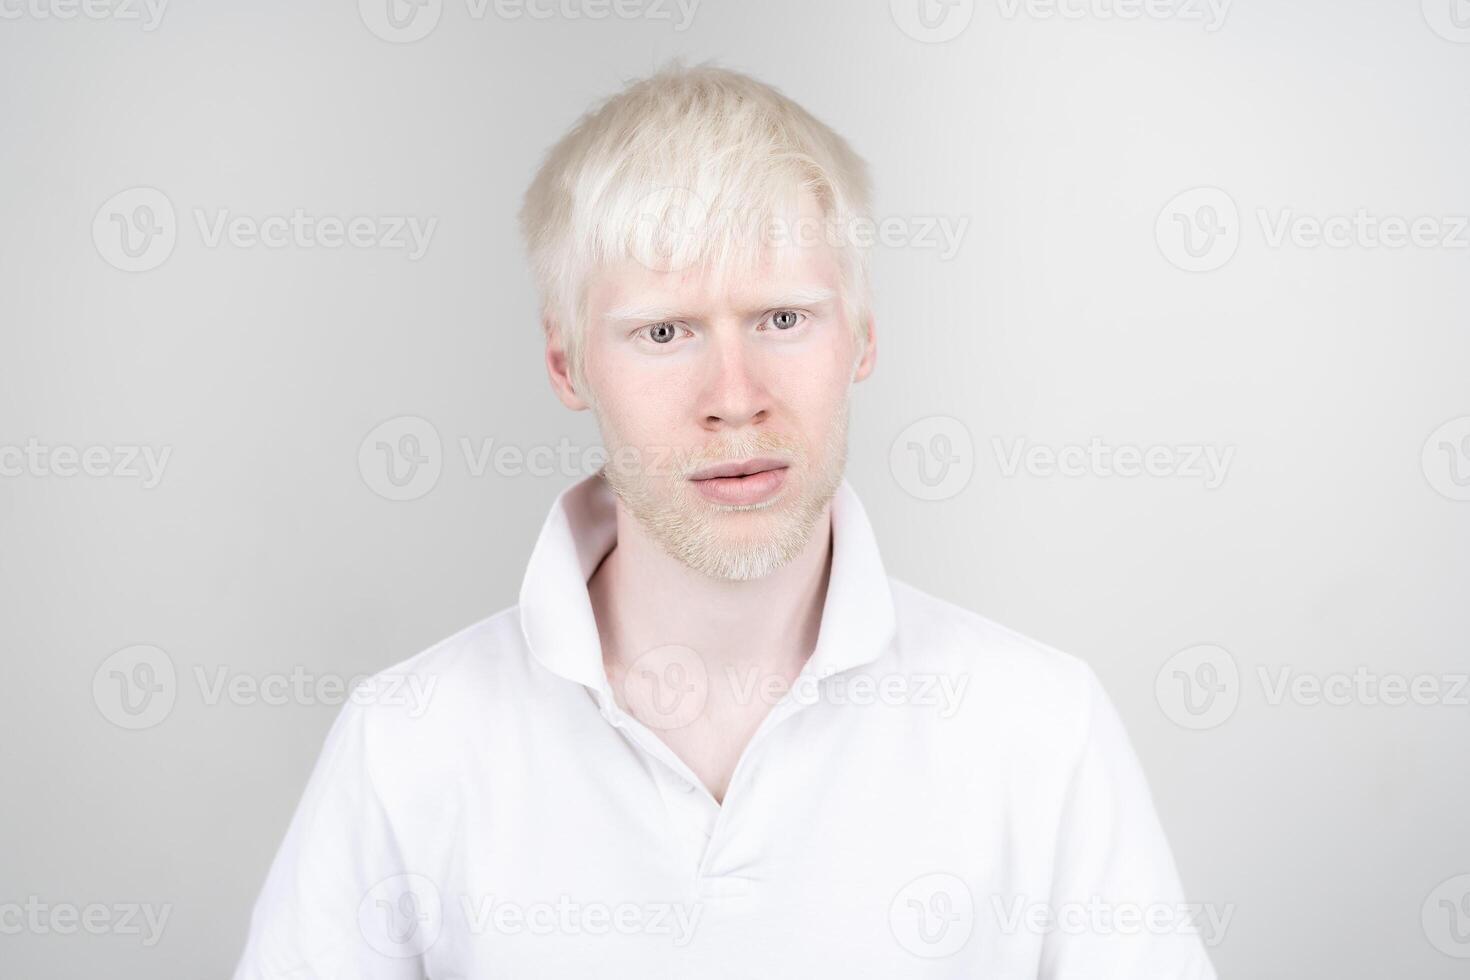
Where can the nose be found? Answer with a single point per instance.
(735, 391)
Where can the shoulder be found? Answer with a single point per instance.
(936, 630)
(1011, 679)
(424, 717)
(476, 659)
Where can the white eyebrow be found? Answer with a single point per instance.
(793, 297)
(641, 313)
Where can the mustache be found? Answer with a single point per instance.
(734, 450)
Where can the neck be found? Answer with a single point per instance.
(644, 598)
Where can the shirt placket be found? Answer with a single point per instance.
(700, 821)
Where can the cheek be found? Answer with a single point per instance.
(833, 373)
(816, 393)
(641, 408)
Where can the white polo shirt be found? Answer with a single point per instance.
(935, 797)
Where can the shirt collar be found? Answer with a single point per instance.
(858, 621)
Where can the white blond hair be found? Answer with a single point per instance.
(671, 172)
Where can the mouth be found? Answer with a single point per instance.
(752, 481)
(749, 467)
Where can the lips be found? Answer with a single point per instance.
(743, 485)
(749, 467)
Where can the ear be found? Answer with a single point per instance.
(870, 350)
(558, 367)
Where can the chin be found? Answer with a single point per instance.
(736, 563)
(739, 544)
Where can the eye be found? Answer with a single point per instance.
(785, 319)
(662, 333)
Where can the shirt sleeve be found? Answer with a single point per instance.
(337, 902)
(1117, 905)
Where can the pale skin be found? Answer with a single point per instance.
(732, 364)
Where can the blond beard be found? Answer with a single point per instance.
(692, 530)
